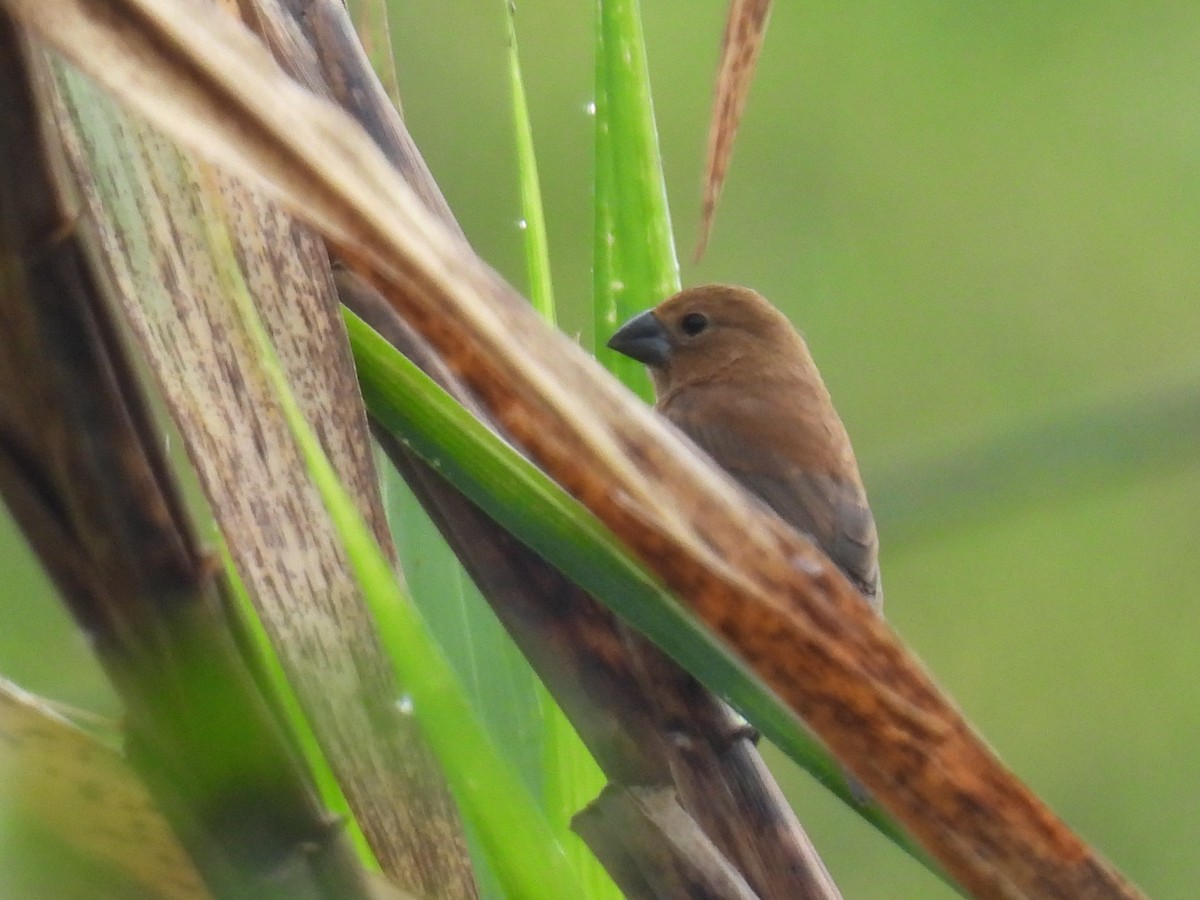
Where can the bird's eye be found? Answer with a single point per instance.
(693, 323)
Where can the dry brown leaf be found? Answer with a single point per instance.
(745, 28)
(83, 468)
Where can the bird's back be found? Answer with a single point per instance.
(798, 463)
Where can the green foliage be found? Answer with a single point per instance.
(269, 670)
(527, 503)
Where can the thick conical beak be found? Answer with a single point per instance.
(642, 338)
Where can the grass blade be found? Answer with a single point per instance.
(635, 261)
(570, 776)
(533, 219)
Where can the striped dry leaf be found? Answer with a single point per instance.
(149, 210)
(745, 28)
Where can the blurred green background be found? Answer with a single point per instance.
(985, 218)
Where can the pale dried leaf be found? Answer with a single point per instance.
(86, 795)
(745, 28)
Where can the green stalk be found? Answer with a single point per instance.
(533, 220)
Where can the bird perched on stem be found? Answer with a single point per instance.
(732, 374)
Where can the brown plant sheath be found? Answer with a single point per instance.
(83, 468)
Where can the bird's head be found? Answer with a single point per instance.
(702, 331)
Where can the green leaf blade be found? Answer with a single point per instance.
(635, 263)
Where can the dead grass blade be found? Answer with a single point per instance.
(745, 28)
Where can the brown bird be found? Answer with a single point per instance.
(732, 374)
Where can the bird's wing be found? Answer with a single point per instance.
(833, 513)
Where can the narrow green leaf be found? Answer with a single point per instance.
(634, 254)
(606, 268)
(502, 688)
(571, 778)
(533, 220)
